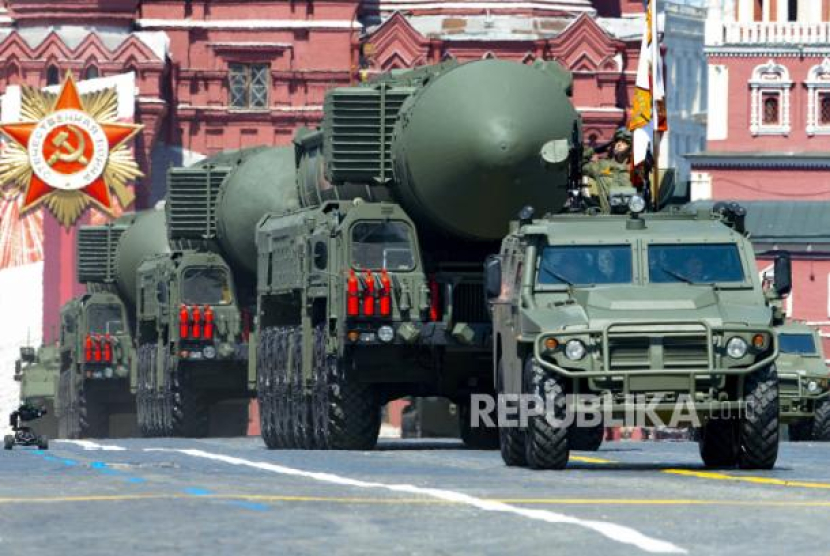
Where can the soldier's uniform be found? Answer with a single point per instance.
(608, 174)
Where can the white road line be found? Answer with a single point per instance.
(613, 531)
(89, 445)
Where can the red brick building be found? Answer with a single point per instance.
(221, 74)
(768, 134)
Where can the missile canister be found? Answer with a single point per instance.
(145, 236)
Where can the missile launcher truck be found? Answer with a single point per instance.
(197, 302)
(37, 372)
(97, 379)
(369, 281)
(803, 376)
(657, 315)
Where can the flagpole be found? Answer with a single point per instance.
(655, 119)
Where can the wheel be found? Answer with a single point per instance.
(94, 413)
(480, 437)
(146, 361)
(586, 439)
(320, 390)
(281, 391)
(266, 351)
(718, 443)
(43, 442)
(758, 425)
(301, 399)
(801, 431)
(821, 421)
(8, 442)
(354, 413)
(546, 441)
(190, 405)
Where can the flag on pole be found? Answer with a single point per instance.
(650, 91)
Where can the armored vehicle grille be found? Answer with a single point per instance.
(358, 126)
(628, 353)
(468, 303)
(678, 352)
(96, 253)
(685, 352)
(191, 201)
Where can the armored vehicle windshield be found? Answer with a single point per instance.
(586, 265)
(379, 245)
(203, 285)
(800, 344)
(695, 263)
(105, 319)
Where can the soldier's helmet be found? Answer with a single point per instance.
(622, 134)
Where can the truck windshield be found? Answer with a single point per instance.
(378, 245)
(103, 319)
(797, 343)
(695, 263)
(202, 285)
(585, 264)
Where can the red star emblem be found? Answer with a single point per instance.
(68, 150)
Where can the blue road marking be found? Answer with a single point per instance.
(197, 491)
(255, 506)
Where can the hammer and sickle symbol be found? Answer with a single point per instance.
(66, 152)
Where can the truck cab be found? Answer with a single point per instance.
(190, 328)
(96, 355)
(650, 313)
(803, 382)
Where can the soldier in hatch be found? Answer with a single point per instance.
(612, 172)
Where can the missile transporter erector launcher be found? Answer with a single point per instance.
(369, 278)
(98, 359)
(197, 302)
(37, 372)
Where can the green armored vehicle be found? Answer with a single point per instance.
(803, 377)
(369, 277)
(37, 373)
(98, 359)
(661, 316)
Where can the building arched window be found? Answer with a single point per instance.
(818, 99)
(770, 107)
(91, 72)
(53, 75)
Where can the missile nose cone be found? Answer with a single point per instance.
(500, 145)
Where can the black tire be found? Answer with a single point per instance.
(281, 399)
(265, 386)
(191, 411)
(586, 439)
(354, 413)
(758, 425)
(320, 402)
(802, 431)
(43, 443)
(301, 400)
(821, 421)
(546, 441)
(146, 361)
(482, 437)
(718, 443)
(8, 442)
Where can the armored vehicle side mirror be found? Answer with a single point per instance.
(783, 283)
(492, 277)
(556, 152)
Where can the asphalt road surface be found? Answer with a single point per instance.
(232, 496)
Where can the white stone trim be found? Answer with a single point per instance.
(701, 186)
(770, 78)
(717, 128)
(818, 82)
(247, 24)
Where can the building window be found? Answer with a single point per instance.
(248, 85)
(771, 108)
(91, 72)
(770, 89)
(53, 75)
(818, 99)
(792, 11)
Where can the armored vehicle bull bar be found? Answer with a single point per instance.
(647, 330)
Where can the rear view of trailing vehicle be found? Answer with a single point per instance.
(37, 373)
(658, 315)
(803, 376)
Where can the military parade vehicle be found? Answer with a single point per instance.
(803, 382)
(369, 279)
(97, 379)
(642, 311)
(37, 372)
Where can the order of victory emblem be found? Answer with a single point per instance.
(69, 152)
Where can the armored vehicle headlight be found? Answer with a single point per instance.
(812, 387)
(386, 333)
(636, 204)
(209, 352)
(736, 347)
(574, 350)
